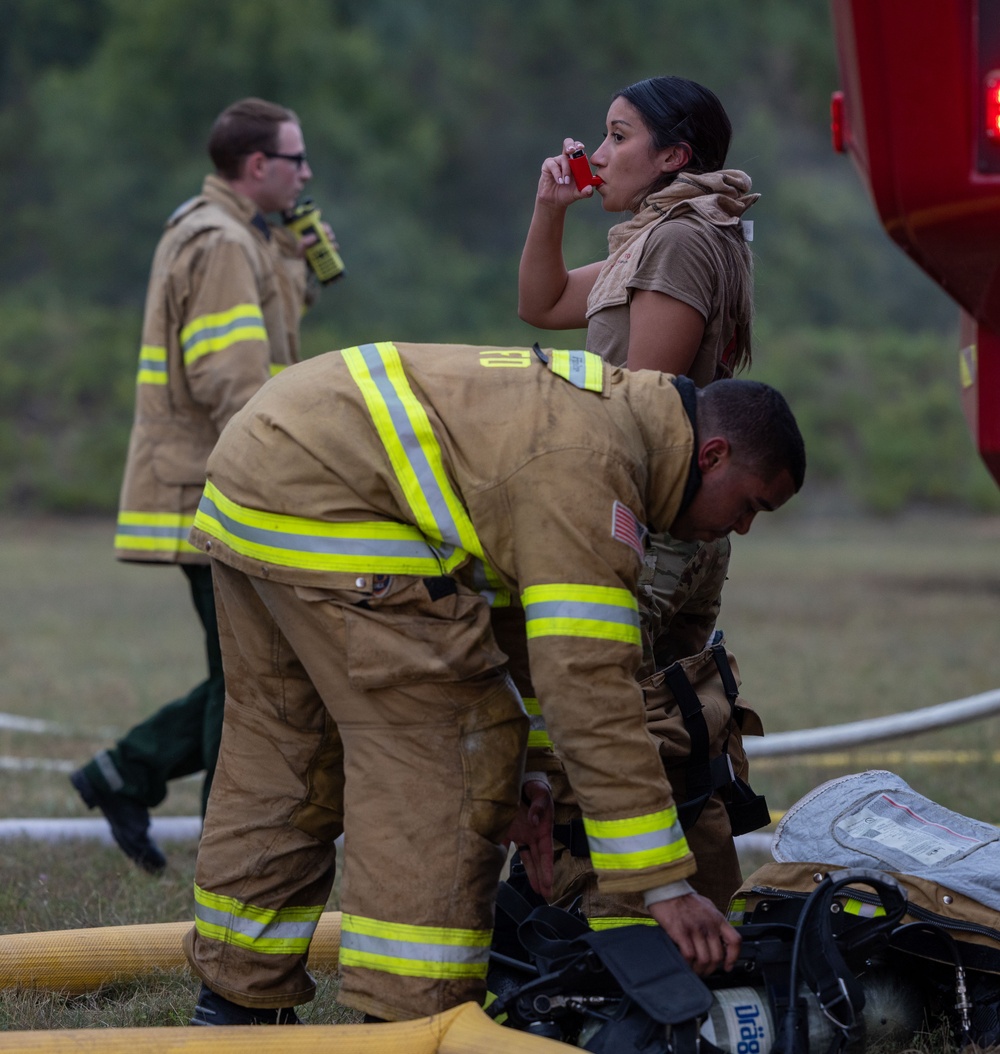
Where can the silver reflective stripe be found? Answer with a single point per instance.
(575, 609)
(577, 369)
(411, 444)
(325, 544)
(418, 951)
(480, 580)
(488, 587)
(179, 532)
(635, 843)
(111, 775)
(254, 929)
(210, 334)
(152, 365)
(536, 723)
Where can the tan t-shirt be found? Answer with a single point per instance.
(687, 259)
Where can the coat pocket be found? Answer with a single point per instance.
(428, 630)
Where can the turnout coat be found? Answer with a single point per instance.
(221, 317)
(530, 477)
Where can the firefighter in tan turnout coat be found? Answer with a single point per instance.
(216, 251)
(363, 512)
(226, 291)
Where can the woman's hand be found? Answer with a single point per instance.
(549, 296)
(556, 186)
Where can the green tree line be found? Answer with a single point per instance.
(426, 123)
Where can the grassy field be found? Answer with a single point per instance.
(835, 621)
(831, 621)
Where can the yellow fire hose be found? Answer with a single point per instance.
(77, 961)
(465, 1029)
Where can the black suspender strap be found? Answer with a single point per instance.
(698, 775)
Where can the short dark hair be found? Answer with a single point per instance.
(759, 424)
(675, 110)
(242, 129)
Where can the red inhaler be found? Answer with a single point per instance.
(580, 167)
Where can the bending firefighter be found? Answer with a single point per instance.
(362, 513)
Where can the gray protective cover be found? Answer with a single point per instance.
(875, 819)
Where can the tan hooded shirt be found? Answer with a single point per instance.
(684, 242)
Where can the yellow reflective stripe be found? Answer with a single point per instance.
(377, 546)
(737, 911)
(581, 368)
(487, 584)
(636, 842)
(565, 609)
(865, 911)
(277, 367)
(210, 333)
(152, 365)
(967, 366)
(538, 735)
(414, 453)
(281, 931)
(154, 532)
(491, 997)
(413, 951)
(496, 598)
(616, 922)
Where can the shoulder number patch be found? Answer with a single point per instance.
(626, 528)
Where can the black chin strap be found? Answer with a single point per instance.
(689, 400)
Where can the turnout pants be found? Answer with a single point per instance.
(383, 710)
(182, 737)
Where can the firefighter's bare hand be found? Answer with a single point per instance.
(700, 932)
(309, 238)
(531, 832)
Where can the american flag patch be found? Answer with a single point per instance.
(626, 528)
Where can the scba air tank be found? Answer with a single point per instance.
(741, 1022)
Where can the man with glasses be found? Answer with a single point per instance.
(225, 296)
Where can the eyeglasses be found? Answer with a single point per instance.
(298, 160)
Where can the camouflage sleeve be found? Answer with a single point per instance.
(693, 604)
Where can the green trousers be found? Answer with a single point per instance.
(182, 737)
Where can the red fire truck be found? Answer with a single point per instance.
(919, 114)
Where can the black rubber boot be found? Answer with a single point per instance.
(214, 1009)
(129, 823)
